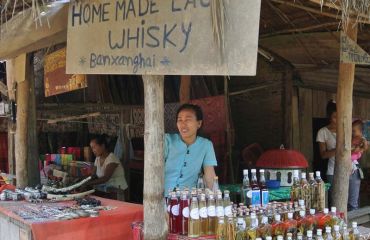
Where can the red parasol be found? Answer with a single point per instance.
(282, 158)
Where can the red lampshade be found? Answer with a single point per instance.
(282, 158)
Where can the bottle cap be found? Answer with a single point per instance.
(328, 229)
(326, 210)
(277, 217)
(319, 232)
(253, 171)
(262, 170)
(202, 197)
(258, 238)
(211, 196)
(245, 172)
(336, 228)
(302, 213)
(333, 209)
(280, 237)
(290, 215)
(318, 174)
(226, 193)
(253, 215)
(309, 233)
(268, 238)
(215, 178)
(303, 175)
(354, 224)
(296, 173)
(173, 195)
(311, 174)
(301, 202)
(312, 211)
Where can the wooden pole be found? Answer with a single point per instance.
(21, 134)
(229, 132)
(10, 82)
(185, 87)
(287, 106)
(155, 227)
(33, 149)
(344, 128)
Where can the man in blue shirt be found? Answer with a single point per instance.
(186, 153)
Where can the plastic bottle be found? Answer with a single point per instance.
(299, 236)
(320, 192)
(230, 228)
(194, 221)
(184, 209)
(335, 219)
(246, 189)
(264, 189)
(256, 192)
(324, 220)
(174, 214)
(252, 231)
(220, 212)
(240, 226)
(311, 220)
(302, 223)
(345, 233)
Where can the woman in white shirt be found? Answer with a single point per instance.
(108, 170)
(326, 137)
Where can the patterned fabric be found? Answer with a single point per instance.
(137, 119)
(56, 127)
(105, 124)
(170, 111)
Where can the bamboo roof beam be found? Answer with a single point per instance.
(298, 30)
(319, 12)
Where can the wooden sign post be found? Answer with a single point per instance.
(343, 165)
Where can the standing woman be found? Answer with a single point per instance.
(327, 139)
(186, 153)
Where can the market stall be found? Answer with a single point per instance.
(29, 221)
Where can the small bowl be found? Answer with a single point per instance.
(273, 184)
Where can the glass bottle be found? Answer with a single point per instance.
(203, 215)
(200, 183)
(227, 204)
(299, 236)
(256, 193)
(335, 219)
(302, 223)
(295, 189)
(247, 218)
(240, 232)
(174, 214)
(320, 192)
(264, 229)
(246, 189)
(212, 218)
(291, 225)
(311, 220)
(319, 234)
(194, 221)
(324, 220)
(354, 234)
(337, 235)
(309, 235)
(184, 209)
(216, 186)
(221, 229)
(305, 191)
(220, 205)
(252, 231)
(230, 228)
(313, 190)
(345, 233)
(328, 235)
(264, 189)
(278, 226)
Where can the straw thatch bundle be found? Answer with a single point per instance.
(358, 9)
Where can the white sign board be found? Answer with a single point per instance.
(161, 37)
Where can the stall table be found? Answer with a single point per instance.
(110, 224)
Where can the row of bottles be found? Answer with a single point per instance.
(200, 213)
(254, 192)
(311, 191)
